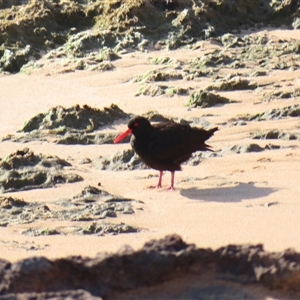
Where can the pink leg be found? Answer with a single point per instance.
(159, 181)
(172, 181)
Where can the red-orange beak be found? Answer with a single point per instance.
(122, 136)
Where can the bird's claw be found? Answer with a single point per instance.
(170, 188)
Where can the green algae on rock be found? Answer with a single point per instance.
(13, 60)
(159, 75)
(83, 118)
(108, 228)
(79, 28)
(73, 125)
(205, 99)
(155, 90)
(232, 84)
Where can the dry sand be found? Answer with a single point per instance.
(237, 198)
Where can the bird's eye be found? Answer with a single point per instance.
(136, 124)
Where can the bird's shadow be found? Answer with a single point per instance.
(237, 193)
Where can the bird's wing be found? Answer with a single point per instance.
(171, 142)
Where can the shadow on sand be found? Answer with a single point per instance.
(242, 191)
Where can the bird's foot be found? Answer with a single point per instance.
(170, 188)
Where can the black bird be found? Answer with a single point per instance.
(164, 146)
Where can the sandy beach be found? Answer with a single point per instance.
(229, 199)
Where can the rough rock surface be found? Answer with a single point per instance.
(79, 118)
(276, 134)
(76, 30)
(87, 212)
(162, 268)
(25, 170)
(206, 99)
(73, 125)
(274, 114)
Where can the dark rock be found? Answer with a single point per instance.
(167, 261)
(62, 295)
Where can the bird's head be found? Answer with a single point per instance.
(137, 126)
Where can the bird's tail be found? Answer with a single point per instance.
(208, 133)
(212, 131)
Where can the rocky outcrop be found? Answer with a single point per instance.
(162, 267)
(78, 29)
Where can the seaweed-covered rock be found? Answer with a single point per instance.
(154, 116)
(26, 158)
(12, 61)
(152, 90)
(275, 114)
(88, 139)
(281, 94)
(102, 228)
(93, 204)
(204, 99)
(163, 60)
(95, 228)
(213, 59)
(155, 90)
(232, 84)
(275, 134)
(24, 170)
(83, 118)
(90, 205)
(158, 75)
(73, 125)
(80, 28)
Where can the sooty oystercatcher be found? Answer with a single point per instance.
(164, 146)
